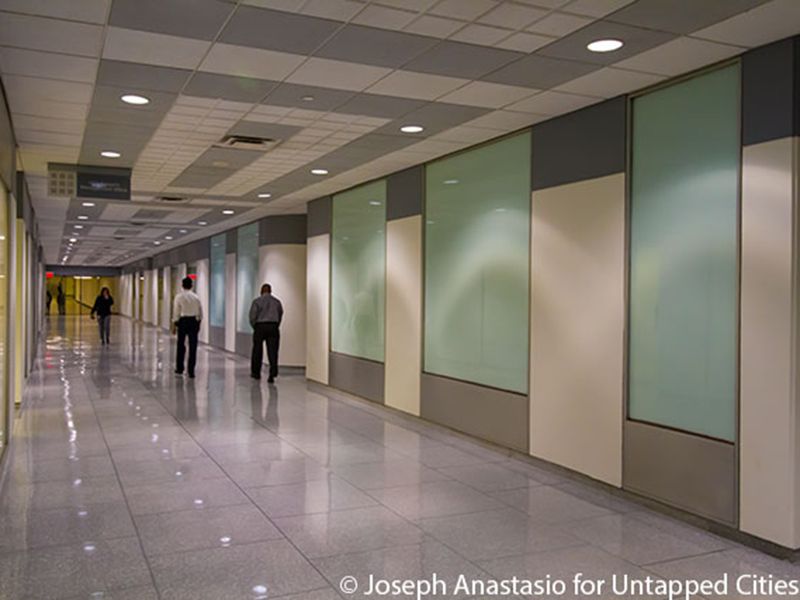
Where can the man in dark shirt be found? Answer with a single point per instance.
(102, 308)
(266, 313)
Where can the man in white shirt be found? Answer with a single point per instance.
(187, 312)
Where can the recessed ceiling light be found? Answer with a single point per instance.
(182, 231)
(265, 195)
(87, 203)
(307, 98)
(450, 181)
(83, 218)
(134, 99)
(319, 171)
(77, 226)
(73, 240)
(604, 45)
(167, 237)
(375, 202)
(227, 211)
(110, 154)
(412, 128)
(157, 243)
(202, 222)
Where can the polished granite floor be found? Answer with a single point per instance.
(128, 482)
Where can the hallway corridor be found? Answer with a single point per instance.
(128, 482)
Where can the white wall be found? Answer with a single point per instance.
(201, 289)
(230, 302)
(151, 297)
(166, 306)
(284, 267)
(317, 302)
(769, 455)
(403, 358)
(577, 326)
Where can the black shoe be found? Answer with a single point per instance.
(271, 379)
(191, 375)
(178, 372)
(255, 376)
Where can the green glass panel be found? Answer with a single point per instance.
(358, 271)
(217, 293)
(684, 255)
(477, 236)
(246, 274)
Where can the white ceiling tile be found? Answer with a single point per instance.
(47, 64)
(491, 95)
(552, 103)
(250, 62)
(525, 42)
(32, 89)
(51, 35)
(420, 86)
(679, 56)
(286, 5)
(337, 74)
(609, 82)
(90, 11)
(463, 9)
(504, 120)
(118, 212)
(384, 17)
(71, 126)
(772, 21)
(439, 27)
(153, 48)
(407, 4)
(544, 3)
(29, 136)
(513, 16)
(338, 10)
(595, 8)
(481, 34)
(559, 24)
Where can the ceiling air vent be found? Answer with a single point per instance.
(247, 142)
(172, 199)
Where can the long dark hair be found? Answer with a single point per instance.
(105, 289)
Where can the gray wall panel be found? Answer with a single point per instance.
(216, 336)
(404, 193)
(690, 472)
(364, 378)
(585, 144)
(770, 92)
(282, 229)
(244, 343)
(490, 414)
(319, 216)
(231, 241)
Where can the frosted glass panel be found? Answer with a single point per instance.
(246, 274)
(217, 293)
(477, 265)
(684, 248)
(358, 271)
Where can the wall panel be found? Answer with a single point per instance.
(403, 313)
(577, 326)
(317, 307)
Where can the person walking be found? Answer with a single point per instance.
(49, 300)
(61, 300)
(102, 308)
(266, 313)
(187, 313)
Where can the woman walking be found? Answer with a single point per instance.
(102, 307)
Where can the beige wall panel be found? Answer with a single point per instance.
(201, 288)
(577, 326)
(317, 315)
(769, 460)
(166, 305)
(403, 314)
(284, 267)
(230, 302)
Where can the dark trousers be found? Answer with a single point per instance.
(265, 332)
(104, 324)
(188, 327)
